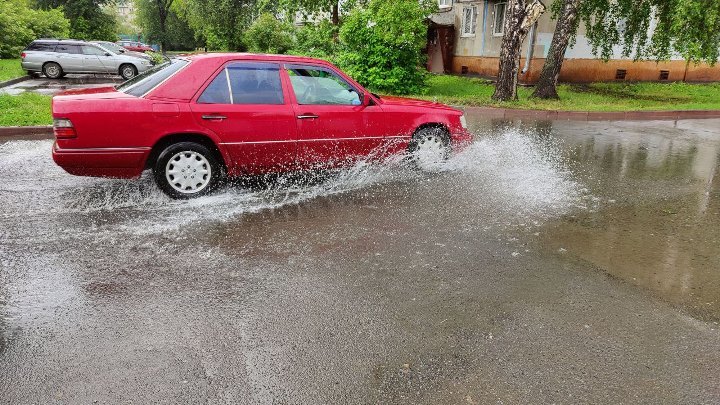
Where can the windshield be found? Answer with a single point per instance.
(112, 47)
(139, 85)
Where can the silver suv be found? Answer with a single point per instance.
(54, 58)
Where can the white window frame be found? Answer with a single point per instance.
(465, 30)
(495, 31)
(445, 4)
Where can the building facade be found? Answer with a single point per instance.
(478, 28)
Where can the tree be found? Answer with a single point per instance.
(645, 29)
(161, 23)
(220, 24)
(20, 25)
(520, 16)
(269, 35)
(383, 44)
(87, 18)
(565, 29)
(157, 11)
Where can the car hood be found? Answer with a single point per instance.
(412, 102)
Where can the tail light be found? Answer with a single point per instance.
(22, 55)
(63, 129)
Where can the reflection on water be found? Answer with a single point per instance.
(659, 222)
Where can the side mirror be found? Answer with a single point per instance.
(107, 54)
(366, 99)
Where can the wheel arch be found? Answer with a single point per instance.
(169, 139)
(438, 125)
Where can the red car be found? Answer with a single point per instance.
(135, 46)
(196, 119)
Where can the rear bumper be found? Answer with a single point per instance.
(102, 162)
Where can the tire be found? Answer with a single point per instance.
(429, 147)
(128, 71)
(176, 181)
(52, 70)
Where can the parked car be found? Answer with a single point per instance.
(196, 119)
(135, 46)
(55, 58)
(117, 49)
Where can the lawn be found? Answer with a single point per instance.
(587, 97)
(25, 109)
(10, 69)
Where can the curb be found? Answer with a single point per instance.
(493, 112)
(45, 130)
(14, 81)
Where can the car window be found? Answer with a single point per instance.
(139, 85)
(41, 47)
(91, 50)
(245, 83)
(317, 85)
(67, 48)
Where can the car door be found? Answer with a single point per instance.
(95, 59)
(70, 57)
(247, 106)
(333, 125)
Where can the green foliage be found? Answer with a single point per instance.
(383, 45)
(25, 109)
(10, 69)
(173, 33)
(156, 57)
(688, 27)
(316, 40)
(87, 18)
(219, 24)
(20, 25)
(591, 97)
(269, 35)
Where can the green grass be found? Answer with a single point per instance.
(590, 97)
(10, 69)
(25, 109)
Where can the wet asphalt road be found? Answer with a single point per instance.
(561, 262)
(43, 85)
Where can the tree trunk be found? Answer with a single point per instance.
(335, 14)
(546, 87)
(520, 16)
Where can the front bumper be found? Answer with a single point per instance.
(124, 163)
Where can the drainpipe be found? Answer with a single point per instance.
(531, 48)
(484, 26)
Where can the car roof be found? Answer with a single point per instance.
(57, 41)
(256, 57)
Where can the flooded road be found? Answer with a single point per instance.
(565, 262)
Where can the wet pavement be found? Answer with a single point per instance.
(563, 262)
(43, 85)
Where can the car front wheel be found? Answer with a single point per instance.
(429, 147)
(128, 71)
(52, 70)
(187, 170)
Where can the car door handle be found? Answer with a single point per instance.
(214, 117)
(307, 116)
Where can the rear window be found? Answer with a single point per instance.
(245, 83)
(41, 47)
(143, 83)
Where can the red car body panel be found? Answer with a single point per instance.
(116, 132)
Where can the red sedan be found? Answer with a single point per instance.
(196, 119)
(135, 46)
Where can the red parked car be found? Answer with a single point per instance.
(196, 119)
(135, 46)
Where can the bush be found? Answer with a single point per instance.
(20, 25)
(269, 35)
(316, 40)
(383, 45)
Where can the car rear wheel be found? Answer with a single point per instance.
(429, 147)
(128, 71)
(187, 170)
(52, 70)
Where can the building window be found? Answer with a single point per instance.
(469, 21)
(445, 4)
(499, 22)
